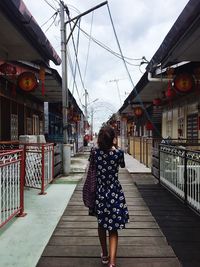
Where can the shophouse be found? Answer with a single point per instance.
(160, 118)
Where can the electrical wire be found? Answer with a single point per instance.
(119, 46)
(107, 48)
(76, 55)
(50, 5)
(134, 88)
(77, 46)
(71, 67)
(74, 8)
(52, 22)
(89, 43)
(48, 19)
(58, 2)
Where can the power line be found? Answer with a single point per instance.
(52, 22)
(134, 88)
(108, 49)
(71, 67)
(50, 5)
(76, 55)
(89, 43)
(48, 19)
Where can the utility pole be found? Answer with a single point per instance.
(64, 71)
(66, 146)
(64, 41)
(116, 81)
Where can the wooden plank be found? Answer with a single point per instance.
(85, 212)
(90, 241)
(93, 225)
(71, 207)
(85, 218)
(123, 251)
(93, 232)
(121, 262)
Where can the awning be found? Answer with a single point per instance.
(21, 36)
(183, 40)
(142, 94)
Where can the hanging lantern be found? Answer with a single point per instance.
(8, 69)
(42, 78)
(149, 126)
(157, 102)
(138, 111)
(170, 93)
(27, 81)
(183, 83)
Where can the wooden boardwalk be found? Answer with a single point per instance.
(75, 241)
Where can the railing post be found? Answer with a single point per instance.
(159, 163)
(43, 172)
(22, 182)
(140, 149)
(185, 178)
(52, 151)
(147, 153)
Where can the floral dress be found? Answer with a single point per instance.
(111, 208)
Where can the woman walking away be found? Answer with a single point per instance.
(110, 205)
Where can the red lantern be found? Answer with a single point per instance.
(27, 81)
(170, 93)
(149, 126)
(9, 69)
(157, 101)
(184, 83)
(138, 111)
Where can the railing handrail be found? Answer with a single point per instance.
(179, 148)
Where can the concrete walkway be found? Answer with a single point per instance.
(23, 239)
(134, 166)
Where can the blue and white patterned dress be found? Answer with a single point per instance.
(111, 208)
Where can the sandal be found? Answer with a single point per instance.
(104, 259)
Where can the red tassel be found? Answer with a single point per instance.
(43, 88)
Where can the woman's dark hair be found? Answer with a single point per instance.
(105, 138)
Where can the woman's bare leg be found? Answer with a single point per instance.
(113, 242)
(103, 241)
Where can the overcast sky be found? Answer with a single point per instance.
(141, 26)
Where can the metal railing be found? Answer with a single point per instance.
(38, 162)
(180, 172)
(11, 185)
(39, 165)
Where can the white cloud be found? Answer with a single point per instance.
(141, 26)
